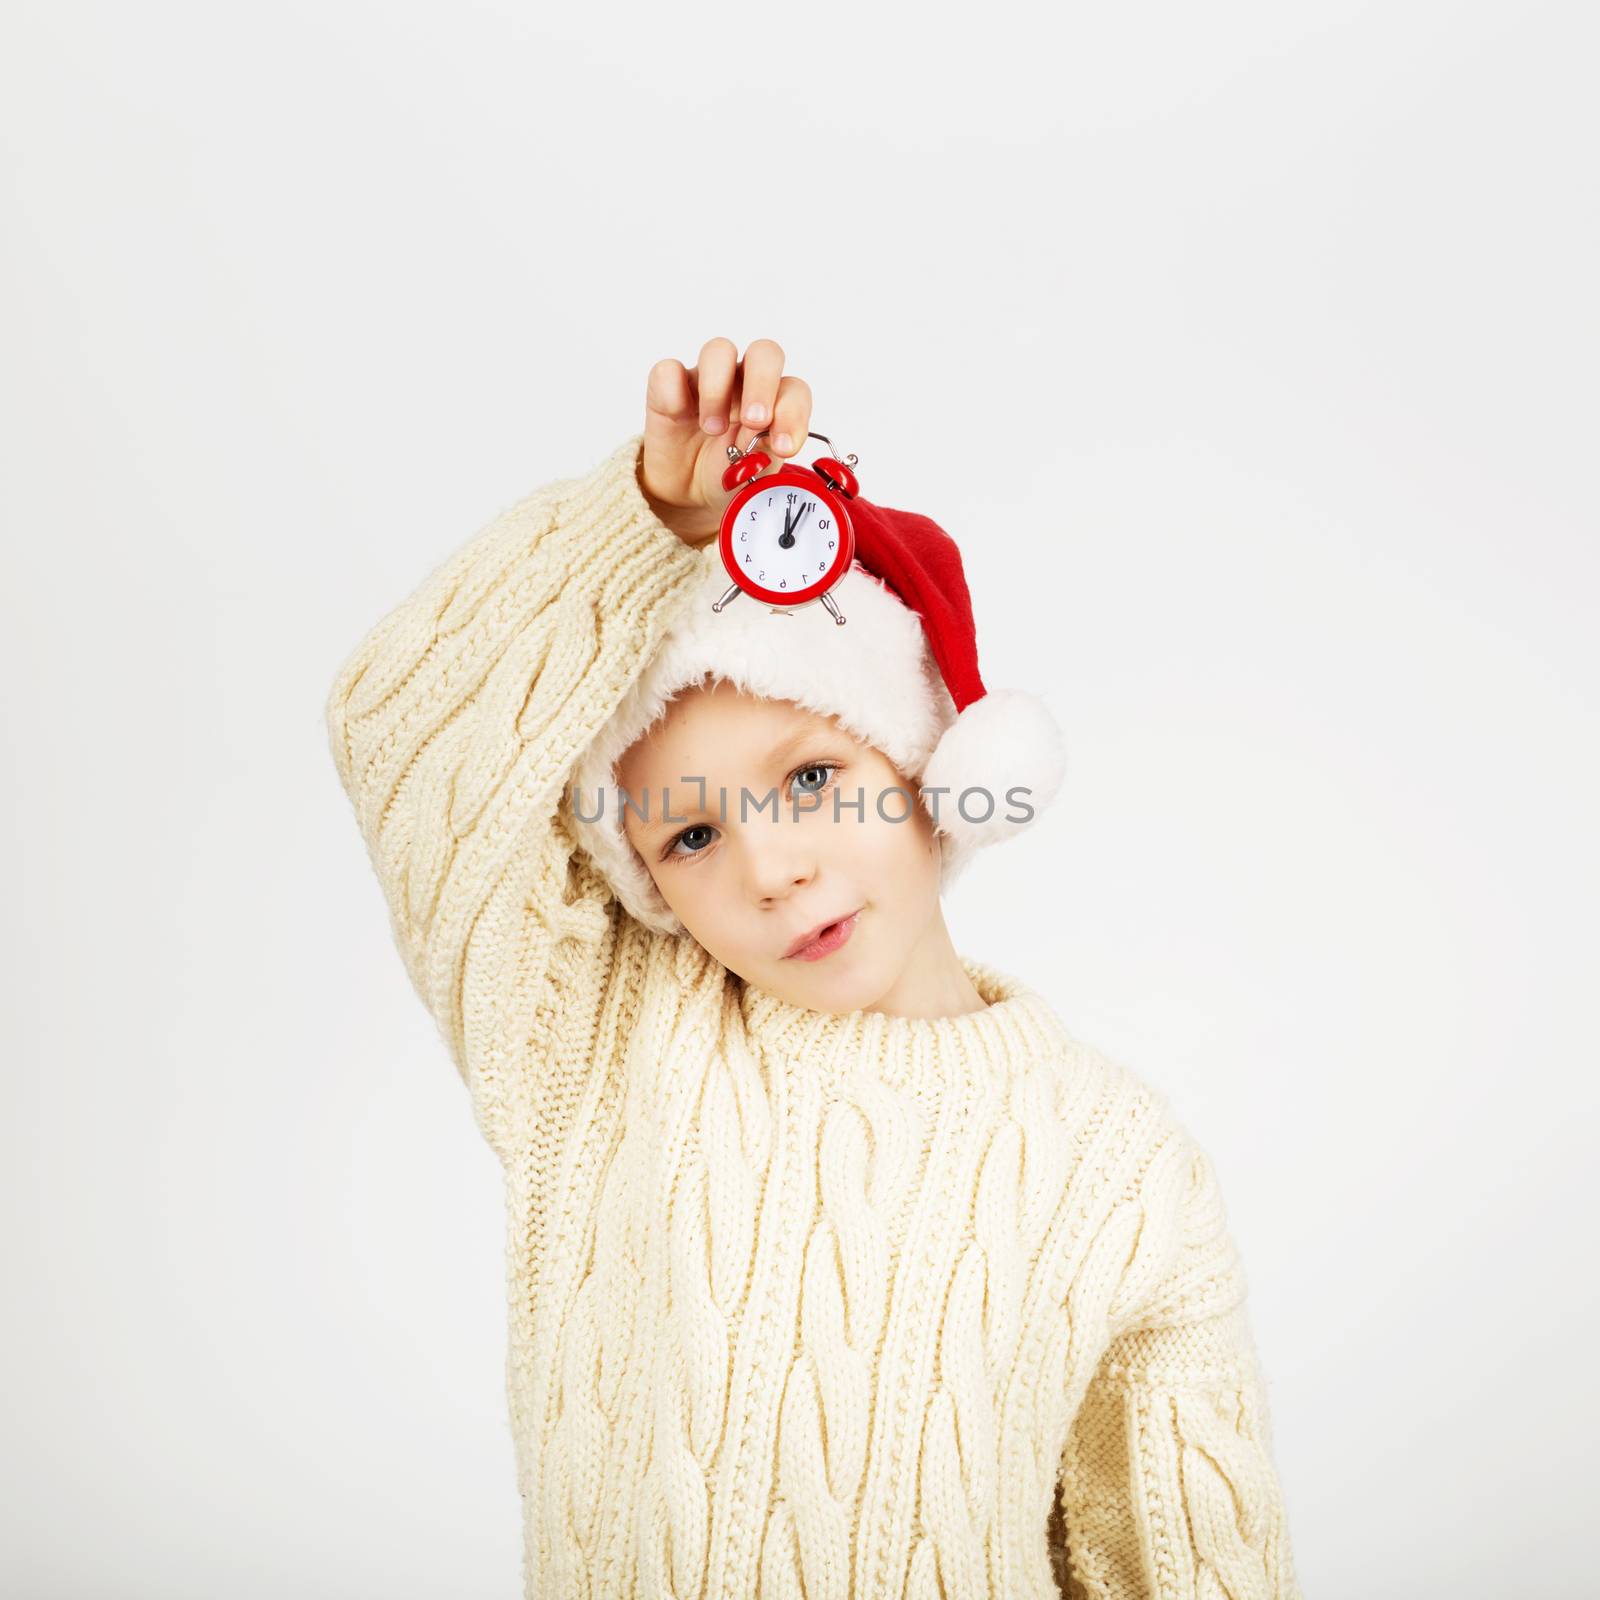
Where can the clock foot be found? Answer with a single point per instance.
(834, 611)
(727, 599)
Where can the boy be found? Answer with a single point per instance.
(837, 1266)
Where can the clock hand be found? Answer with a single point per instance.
(786, 538)
(789, 531)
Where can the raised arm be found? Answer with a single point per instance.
(1168, 1483)
(455, 726)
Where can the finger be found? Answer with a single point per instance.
(791, 417)
(758, 388)
(669, 401)
(713, 377)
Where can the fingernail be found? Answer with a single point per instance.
(714, 424)
(755, 413)
(784, 442)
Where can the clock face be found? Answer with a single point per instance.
(785, 539)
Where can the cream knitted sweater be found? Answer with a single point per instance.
(800, 1304)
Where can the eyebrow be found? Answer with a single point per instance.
(783, 751)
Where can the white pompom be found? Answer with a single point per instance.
(999, 765)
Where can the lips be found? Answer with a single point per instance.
(811, 936)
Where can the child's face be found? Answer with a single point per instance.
(748, 875)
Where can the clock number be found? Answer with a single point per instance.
(830, 544)
(824, 523)
(783, 583)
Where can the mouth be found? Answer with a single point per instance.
(823, 939)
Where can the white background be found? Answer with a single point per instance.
(1250, 352)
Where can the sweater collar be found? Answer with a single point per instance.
(1016, 1026)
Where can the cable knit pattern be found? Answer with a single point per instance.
(800, 1304)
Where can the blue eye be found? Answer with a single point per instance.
(672, 847)
(829, 767)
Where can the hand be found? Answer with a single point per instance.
(691, 417)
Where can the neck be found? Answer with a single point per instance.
(1013, 1025)
(934, 982)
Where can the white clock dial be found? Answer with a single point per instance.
(786, 538)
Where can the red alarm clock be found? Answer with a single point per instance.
(787, 538)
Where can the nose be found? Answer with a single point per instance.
(777, 862)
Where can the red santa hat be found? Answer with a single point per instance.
(901, 674)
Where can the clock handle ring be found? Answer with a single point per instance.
(736, 454)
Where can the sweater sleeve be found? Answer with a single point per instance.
(456, 725)
(1168, 1483)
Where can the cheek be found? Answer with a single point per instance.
(901, 838)
(693, 897)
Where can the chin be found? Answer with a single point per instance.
(834, 998)
(833, 985)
